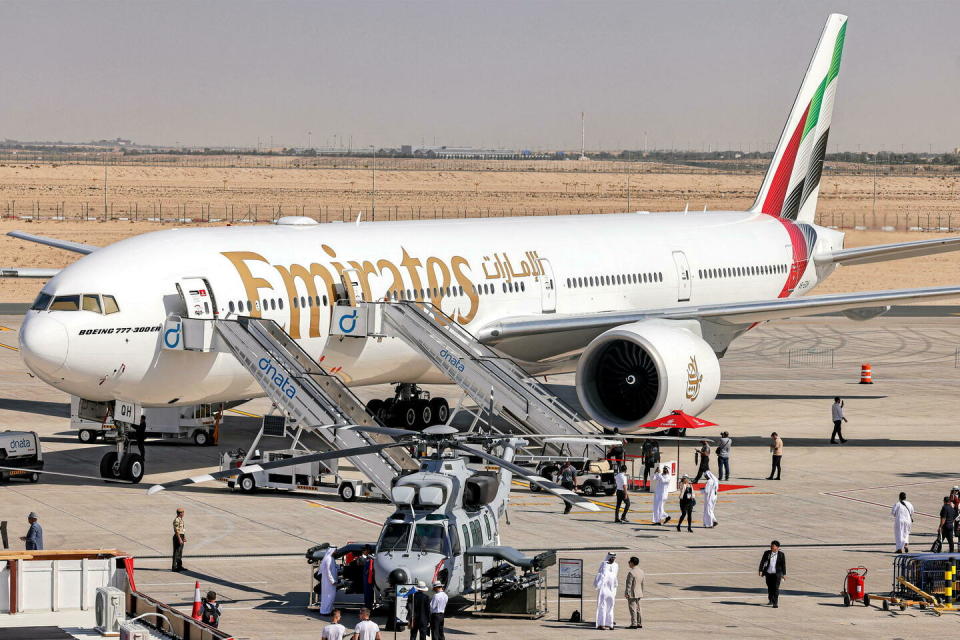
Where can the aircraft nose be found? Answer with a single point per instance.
(43, 344)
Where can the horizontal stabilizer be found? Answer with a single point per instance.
(896, 251)
(76, 247)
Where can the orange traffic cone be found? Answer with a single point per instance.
(197, 606)
(866, 374)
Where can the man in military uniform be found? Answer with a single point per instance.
(179, 539)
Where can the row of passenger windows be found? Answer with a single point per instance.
(94, 302)
(616, 279)
(737, 272)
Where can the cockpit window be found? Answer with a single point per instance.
(91, 302)
(394, 537)
(65, 303)
(42, 302)
(428, 538)
(110, 305)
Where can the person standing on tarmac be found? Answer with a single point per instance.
(418, 612)
(34, 538)
(568, 480)
(723, 455)
(438, 607)
(623, 495)
(948, 516)
(703, 453)
(836, 412)
(365, 562)
(651, 458)
(902, 513)
(687, 503)
(776, 451)
(179, 540)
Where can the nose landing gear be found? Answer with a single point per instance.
(122, 464)
(410, 408)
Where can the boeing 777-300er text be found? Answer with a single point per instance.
(641, 305)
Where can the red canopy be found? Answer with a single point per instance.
(679, 420)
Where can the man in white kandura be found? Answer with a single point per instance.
(327, 574)
(606, 584)
(661, 489)
(710, 500)
(902, 513)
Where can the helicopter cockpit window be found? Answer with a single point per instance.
(455, 540)
(429, 538)
(394, 537)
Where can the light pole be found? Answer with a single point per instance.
(373, 188)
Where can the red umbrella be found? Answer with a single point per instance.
(677, 419)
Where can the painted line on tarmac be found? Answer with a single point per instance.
(244, 413)
(6, 346)
(171, 584)
(6, 329)
(876, 504)
(344, 513)
(596, 502)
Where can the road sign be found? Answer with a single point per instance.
(571, 578)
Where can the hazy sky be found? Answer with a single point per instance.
(513, 74)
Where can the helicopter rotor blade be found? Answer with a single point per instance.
(549, 486)
(387, 431)
(278, 464)
(65, 475)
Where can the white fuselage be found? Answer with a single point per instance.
(504, 267)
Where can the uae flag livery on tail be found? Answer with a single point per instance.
(792, 182)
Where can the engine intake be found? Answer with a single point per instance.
(638, 372)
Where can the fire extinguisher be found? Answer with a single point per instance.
(855, 585)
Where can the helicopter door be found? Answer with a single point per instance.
(454, 563)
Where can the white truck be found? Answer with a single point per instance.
(20, 450)
(195, 422)
(309, 477)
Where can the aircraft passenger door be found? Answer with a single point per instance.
(548, 288)
(198, 298)
(683, 276)
(349, 291)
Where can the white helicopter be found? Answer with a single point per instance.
(446, 525)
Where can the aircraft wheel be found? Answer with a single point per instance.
(201, 438)
(86, 435)
(440, 409)
(375, 408)
(34, 477)
(247, 483)
(424, 413)
(348, 493)
(107, 465)
(131, 468)
(407, 413)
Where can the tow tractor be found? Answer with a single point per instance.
(309, 477)
(21, 450)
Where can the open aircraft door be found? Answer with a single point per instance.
(548, 288)
(198, 298)
(683, 276)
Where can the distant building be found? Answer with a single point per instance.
(406, 149)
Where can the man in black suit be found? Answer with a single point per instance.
(418, 612)
(773, 567)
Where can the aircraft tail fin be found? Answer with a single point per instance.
(792, 183)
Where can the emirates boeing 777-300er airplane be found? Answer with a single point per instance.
(641, 305)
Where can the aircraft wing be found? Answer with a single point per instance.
(896, 251)
(16, 272)
(76, 247)
(738, 313)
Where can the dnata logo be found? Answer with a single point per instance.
(281, 381)
(171, 337)
(452, 360)
(348, 322)
(22, 443)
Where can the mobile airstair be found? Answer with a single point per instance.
(495, 383)
(320, 402)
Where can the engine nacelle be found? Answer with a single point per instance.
(638, 372)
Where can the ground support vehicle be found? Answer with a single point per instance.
(198, 423)
(21, 452)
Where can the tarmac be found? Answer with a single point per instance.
(831, 510)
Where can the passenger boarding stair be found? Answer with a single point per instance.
(319, 401)
(494, 382)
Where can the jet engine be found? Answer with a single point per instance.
(640, 371)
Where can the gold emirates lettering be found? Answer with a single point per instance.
(316, 279)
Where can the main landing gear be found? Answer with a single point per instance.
(410, 408)
(122, 464)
